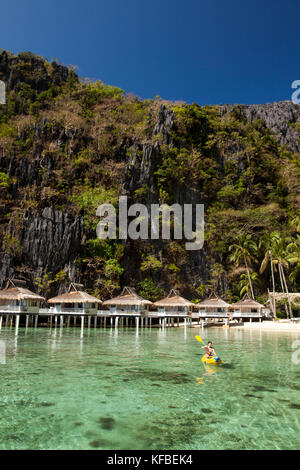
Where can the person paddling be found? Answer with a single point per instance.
(210, 351)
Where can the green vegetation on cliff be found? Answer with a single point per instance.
(70, 145)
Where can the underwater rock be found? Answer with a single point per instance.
(295, 406)
(98, 443)
(107, 423)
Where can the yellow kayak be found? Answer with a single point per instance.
(212, 360)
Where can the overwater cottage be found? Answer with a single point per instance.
(247, 308)
(128, 303)
(17, 299)
(174, 305)
(213, 308)
(75, 301)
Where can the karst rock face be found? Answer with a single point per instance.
(29, 69)
(50, 239)
(38, 215)
(280, 118)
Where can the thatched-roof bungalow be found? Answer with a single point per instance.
(174, 304)
(247, 308)
(128, 302)
(213, 307)
(75, 301)
(16, 298)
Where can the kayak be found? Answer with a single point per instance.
(211, 360)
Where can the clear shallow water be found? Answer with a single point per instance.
(115, 390)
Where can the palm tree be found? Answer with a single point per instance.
(265, 243)
(277, 254)
(244, 250)
(244, 284)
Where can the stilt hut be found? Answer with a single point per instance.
(16, 298)
(174, 305)
(128, 303)
(75, 301)
(247, 308)
(213, 308)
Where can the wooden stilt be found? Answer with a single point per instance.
(36, 321)
(82, 325)
(17, 324)
(1, 319)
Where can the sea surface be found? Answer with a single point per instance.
(147, 389)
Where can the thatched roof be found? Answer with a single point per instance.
(75, 295)
(15, 290)
(247, 302)
(128, 297)
(173, 300)
(213, 302)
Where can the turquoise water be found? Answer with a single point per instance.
(116, 390)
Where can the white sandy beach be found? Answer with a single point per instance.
(275, 326)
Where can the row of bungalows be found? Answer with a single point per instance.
(17, 299)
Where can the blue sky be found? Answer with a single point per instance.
(204, 51)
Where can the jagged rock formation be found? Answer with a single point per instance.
(50, 239)
(31, 70)
(67, 146)
(280, 118)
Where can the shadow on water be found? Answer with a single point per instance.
(227, 366)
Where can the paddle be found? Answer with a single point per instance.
(199, 339)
